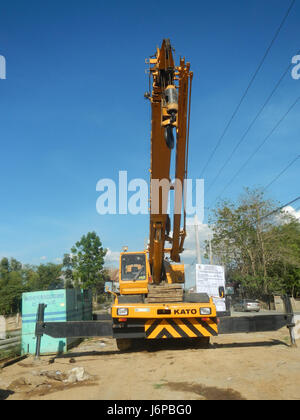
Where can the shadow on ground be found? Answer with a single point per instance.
(206, 392)
(250, 344)
(151, 346)
(5, 394)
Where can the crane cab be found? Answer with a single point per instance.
(134, 273)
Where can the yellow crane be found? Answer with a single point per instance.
(151, 303)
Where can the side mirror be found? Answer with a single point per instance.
(221, 291)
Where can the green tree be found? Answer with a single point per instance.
(30, 277)
(4, 271)
(12, 286)
(48, 277)
(286, 267)
(16, 279)
(12, 294)
(257, 251)
(15, 265)
(88, 262)
(68, 271)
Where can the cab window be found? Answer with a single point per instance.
(133, 267)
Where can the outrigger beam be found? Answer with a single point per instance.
(103, 326)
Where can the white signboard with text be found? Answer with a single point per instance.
(208, 280)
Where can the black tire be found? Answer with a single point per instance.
(127, 344)
(203, 342)
(124, 344)
(196, 298)
(131, 299)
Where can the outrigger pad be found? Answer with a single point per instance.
(196, 298)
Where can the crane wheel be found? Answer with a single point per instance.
(124, 344)
(169, 137)
(203, 342)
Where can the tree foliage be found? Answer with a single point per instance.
(16, 279)
(261, 252)
(85, 265)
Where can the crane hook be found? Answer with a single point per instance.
(169, 137)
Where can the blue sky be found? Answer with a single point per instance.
(72, 109)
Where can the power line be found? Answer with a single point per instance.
(248, 87)
(259, 147)
(282, 172)
(279, 208)
(241, 228)
(251, 124)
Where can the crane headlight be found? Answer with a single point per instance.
(122, 311)
(205, 311)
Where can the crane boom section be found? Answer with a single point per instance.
(169, 105)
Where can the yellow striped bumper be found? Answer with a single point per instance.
(180, 328)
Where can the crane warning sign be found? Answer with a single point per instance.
(209, 278)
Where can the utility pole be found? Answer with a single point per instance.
(146, 243)
(197, 241)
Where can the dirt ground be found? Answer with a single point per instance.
(256, 366)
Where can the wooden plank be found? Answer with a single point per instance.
(162, 293)
(162, 300)
(9, 340)
(165, 291)
(165, 286)
(167, 295)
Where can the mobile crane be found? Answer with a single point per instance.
(151, 303)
